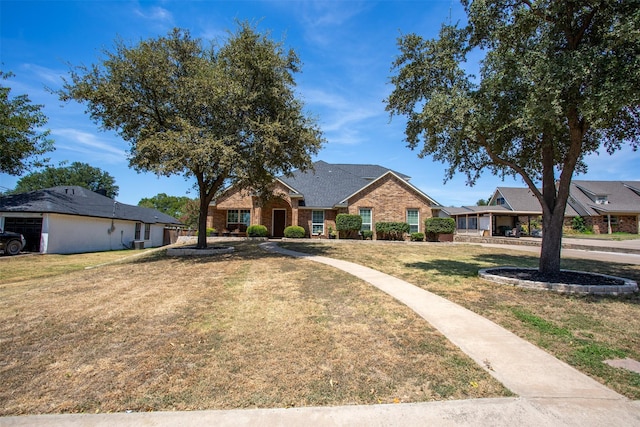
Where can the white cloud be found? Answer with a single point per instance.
(154, 13)
(344, 121)
(88, 145)
(46, 75)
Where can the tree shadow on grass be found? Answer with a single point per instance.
(449, 267)
(243, 250)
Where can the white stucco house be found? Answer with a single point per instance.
(73, 219)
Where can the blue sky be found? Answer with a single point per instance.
(346, 48)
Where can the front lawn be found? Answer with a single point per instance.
(583, 331)
(248, 329)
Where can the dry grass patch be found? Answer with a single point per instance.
(249, 329)
(581, 330)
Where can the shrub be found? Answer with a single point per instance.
(348, 224)
(367, 234)
(436, 226)
(578, 224)
(417, 237)
(392, 230)
(257, 231)
(210, 231)
(294, 232)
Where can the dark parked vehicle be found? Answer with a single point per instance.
(11, 243)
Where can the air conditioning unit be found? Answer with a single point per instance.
(137, 244)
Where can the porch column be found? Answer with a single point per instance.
(294, 213)
(608, 223)
(258, 215)
(490, 224)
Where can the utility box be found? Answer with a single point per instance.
(138, 244)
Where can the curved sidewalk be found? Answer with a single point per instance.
(551, 393)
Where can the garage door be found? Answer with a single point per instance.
(30, 228)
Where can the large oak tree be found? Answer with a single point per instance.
(224, 115)
(22, 142)
(560, 79)
(77, 173)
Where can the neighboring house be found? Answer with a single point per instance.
(605, 206)
(73, 219)
(314, 198)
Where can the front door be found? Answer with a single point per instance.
(279, 222)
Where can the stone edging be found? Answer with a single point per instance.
(629, 286)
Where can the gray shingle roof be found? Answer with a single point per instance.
(621, 196)
(75, 200)
(330, 184)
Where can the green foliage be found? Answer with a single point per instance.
(578, 224)
(294, 232)
(257, 230)
(417, 237)
(440, 225)
(21, 143)
(81, 174)
(210, 231)
(348, 225)
(367, 234)
(171, 205)
(347, 222)
(392, 230)
(558, 82)
(221, 115)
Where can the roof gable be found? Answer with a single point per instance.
(75, 200)
(606, 196)
(328, 185)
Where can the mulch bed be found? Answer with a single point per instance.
(568, 277)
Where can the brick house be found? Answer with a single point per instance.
(314, 198)
(605, 206)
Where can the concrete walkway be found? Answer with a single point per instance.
(550, 392)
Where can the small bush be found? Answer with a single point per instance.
(392, 230)
(348, 224)
(210, 231)
(257, 231)
(367, 234)
(436, 226)
(417, 237)
(578, 224)
(294, 232)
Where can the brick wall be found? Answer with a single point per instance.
(625, 224)
(389, 199)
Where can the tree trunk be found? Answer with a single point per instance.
(551, 243)
(202, 223)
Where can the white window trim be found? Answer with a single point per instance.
(370, 217)
(313, 224)
(418, 224)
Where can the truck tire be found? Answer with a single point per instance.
(13, 247)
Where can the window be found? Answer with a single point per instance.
(462, 223)
(472, 223)
(238, 219)
(137, 234)
(500, 201)
(366, 219)
(147, 231)
(317, 222)
(602, 200)
(413, 219)
(613, 220)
